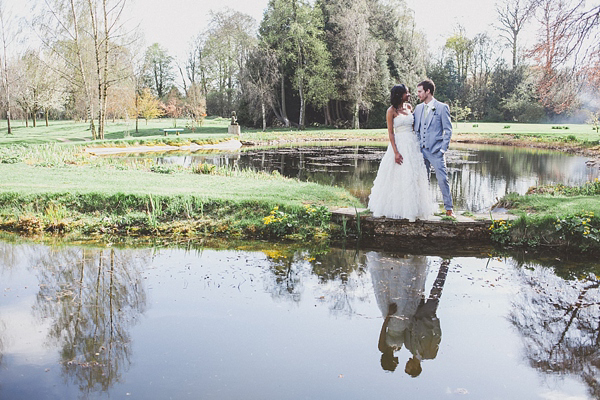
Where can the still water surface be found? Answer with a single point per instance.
(148, 323)
(479, 174)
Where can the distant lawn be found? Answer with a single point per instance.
(551, 132)
(216, 128)
(79, 132)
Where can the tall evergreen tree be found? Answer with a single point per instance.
(294, 30)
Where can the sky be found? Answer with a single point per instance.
(174, 23)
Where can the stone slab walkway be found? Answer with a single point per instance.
(472, 227)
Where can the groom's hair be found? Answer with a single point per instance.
(428, 84)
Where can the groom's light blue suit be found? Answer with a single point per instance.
(434, 133)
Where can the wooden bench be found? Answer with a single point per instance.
(176, 130)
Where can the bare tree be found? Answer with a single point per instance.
(59, 28)
(512, 16)
(90, 37)
(554, 54)
(7, 37)
(109, 36)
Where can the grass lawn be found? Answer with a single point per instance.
(216, 128)
(235, 187)
(79, 132)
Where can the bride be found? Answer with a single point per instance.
(401, 188)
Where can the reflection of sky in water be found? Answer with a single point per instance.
(479, 173)
(252, 324)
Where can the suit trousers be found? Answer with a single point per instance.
(438, 162)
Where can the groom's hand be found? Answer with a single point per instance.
(399, 159)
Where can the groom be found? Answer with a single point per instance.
(434, 129)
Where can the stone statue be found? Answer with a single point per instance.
(234, 127)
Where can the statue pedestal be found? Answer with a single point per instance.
(234, 130)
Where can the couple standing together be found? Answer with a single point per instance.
(418, 141)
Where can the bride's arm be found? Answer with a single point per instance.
(390, 126)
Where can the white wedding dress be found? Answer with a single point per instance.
(402, 191)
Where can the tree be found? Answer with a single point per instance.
(312, 76)
(148, 106)
(293, 29)
(512, 16)
(552, 52)
(109, 37)
(355, 51)
(482, 66)
(229, 39)
(60, 25)
(159, 70)
(275, 32)
(173, 107)
(197, 65)
(260, 78)
(7, 36)
(504, 80)
(461, 49)
(195, 105)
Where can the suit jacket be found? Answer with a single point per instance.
(438, 126)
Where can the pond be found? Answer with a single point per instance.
(479, 174)
(272, 322)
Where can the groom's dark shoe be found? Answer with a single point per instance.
(449, 213)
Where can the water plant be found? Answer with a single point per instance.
(500, 231)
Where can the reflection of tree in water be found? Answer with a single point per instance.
(284, 281)
(2, 329)
(92, 298)
(339, 272)
(9, 256)
(342, 279)
(560, 324)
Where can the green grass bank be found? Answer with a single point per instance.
(555, 217)
(60, 189)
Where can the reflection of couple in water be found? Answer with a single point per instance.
(410, 318)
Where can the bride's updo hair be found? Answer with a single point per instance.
(398, 92)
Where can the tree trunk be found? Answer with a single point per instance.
(26, 119)
(33, 117)
(5, 73)
(338, 110)
(327, 113)
(46, 115)
(286, 121)
(264, 115)
(302, 105)
(514, 50)
(355, 118)
(88, 95)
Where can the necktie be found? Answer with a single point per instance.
(426, 110)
